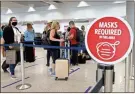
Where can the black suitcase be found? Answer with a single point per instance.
(88, 57)
(5, 66)
(81, 58)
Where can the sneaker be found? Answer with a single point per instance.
(8, 70)
(53, 74)
(50, 70)
(13, 76)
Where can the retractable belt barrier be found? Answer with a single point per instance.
(105, 77)
(98, 86)
(45, 46)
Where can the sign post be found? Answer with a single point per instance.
(127, 73)
(132, 68)
(109, 41)
(108, 78)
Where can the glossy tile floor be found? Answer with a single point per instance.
(80, 80)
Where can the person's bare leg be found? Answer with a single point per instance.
(53, 68)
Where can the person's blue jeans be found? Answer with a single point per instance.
(81, 45)
(12, 68)
(74, 56)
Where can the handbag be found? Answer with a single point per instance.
(10, 56)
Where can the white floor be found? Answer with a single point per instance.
(37, 75)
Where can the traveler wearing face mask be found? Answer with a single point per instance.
(29, 38)
(11, 35)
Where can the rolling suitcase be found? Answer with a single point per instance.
(62, 67)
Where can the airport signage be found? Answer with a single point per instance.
(109, 40)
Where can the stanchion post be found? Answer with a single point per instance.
(99, 74)
(132, 67)
(23, 85)
(68, 50)
(22, 63)
(108, 78)
(127, 73)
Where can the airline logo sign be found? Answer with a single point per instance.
(109, 40)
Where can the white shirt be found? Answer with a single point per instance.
(17, 35)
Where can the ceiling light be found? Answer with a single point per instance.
(31, 9)
(51, 7)
(118, 2)
(9, 11)
(82, 4)
(76, 18)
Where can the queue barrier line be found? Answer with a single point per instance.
(97, 87)
(19, 80)
(87, 90)
(45, 46)
(29, 77)
(13, 83)
(74, 70)
(32, 65)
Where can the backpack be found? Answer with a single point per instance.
(78, 34)
(45, 39)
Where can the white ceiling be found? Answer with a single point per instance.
(18, 4)
(42, 3)
(68, 0)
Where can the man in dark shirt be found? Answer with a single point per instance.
(74, 43)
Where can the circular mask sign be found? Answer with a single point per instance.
(109, 40)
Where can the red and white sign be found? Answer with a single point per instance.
(109, 40)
